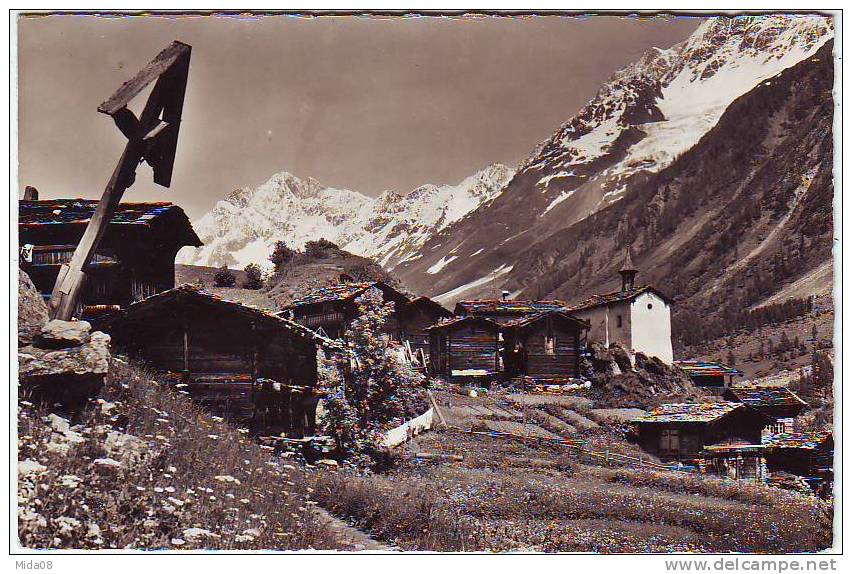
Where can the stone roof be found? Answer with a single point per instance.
(509, 307)
(755, 396)
(616, 297)
(34, 214)
(689, 412)
(802, 440)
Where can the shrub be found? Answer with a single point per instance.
(281, 255)
(254, 276)
(318, 249)
(224, 277)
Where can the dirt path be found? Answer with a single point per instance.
(351, 539)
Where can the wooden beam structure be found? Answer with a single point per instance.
(152, 138)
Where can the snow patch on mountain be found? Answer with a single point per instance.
(661, 106)
(485, 280)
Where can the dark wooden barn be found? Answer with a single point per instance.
(415, 317)
(135, 258)
(774, 402)
(465, 347)
(243, 363)
(333, 309)
(807, 454)
(681, 431)
(506, 310)
(544, 346)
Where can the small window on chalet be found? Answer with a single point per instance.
(549, 345)
(670, 440)
(618, 321)
(650, 305)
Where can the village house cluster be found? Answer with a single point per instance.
(261, 368)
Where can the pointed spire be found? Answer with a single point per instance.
(628, 272)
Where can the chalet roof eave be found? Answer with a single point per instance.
(529, 321)
(458, 320)
(423, 300)
(187, 290)
(77, 212)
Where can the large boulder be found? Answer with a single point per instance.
(61, 334)
(32, 310)
(58, 361)
(68, 376)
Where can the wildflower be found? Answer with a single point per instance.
(106, 406)
(94, 531)
(172, 469)
(178, 541)
(191, 533)
(29, 466)
(106, 463)
(213, 436)
(158, 489)
(57, 423)
(67, 525)
(169, 489)
(227, 478)
(245, 500)
(70, 481)
(243, 538)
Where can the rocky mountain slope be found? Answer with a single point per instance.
(733, 220)
(648, 115)
(244, 226)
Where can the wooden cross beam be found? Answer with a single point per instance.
(152, 137)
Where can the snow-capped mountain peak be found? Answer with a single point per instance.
(243, 227)
(653, 110)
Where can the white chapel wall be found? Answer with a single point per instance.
(652, 327)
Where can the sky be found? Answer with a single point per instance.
(362, 103)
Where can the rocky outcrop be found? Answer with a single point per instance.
(644, 382)
(62, 334)
(58, 361)
(32, 311)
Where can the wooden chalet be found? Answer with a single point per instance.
(465, 347)
(681, 431)
(135, 258)
(545, 346)
(243, 363)
(806, 454)
(503, 311)
(333, 308)
(709, 374)
(775, 402)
